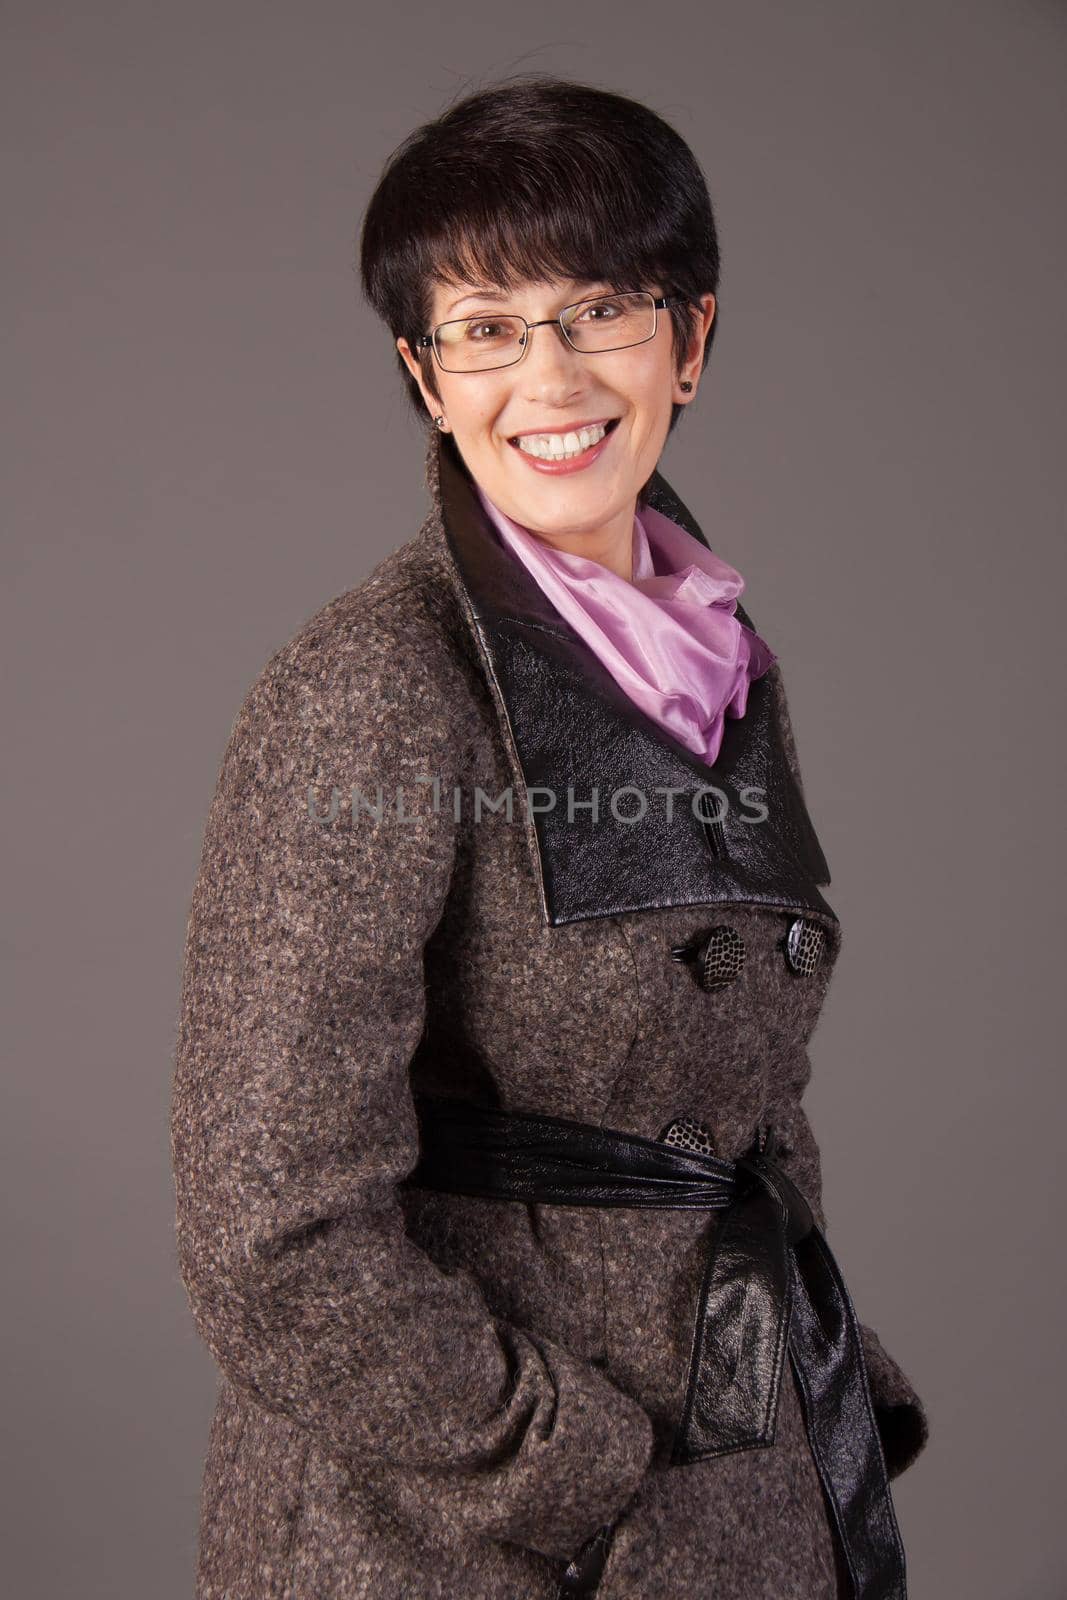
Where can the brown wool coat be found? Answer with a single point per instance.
(426, 1395)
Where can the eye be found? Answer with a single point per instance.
(489, 330)
(600, 311)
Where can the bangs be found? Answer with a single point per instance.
(562, 224)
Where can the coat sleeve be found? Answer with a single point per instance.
(901, 1415)
(292, 1122)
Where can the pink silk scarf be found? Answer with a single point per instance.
(670, 638)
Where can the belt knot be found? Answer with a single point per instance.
(760, 1170)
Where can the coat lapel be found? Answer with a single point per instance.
(567, 725)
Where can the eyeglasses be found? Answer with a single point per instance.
(606, 322)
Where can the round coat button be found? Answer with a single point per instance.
(689, 1134)
(716, 959)
(804, 945)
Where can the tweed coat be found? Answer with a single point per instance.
(432, 1395)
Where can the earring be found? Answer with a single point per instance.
(439, 422)
(686, 386)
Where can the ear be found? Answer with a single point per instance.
(691, 367)
(414, 366)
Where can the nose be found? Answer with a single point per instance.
(547, 358)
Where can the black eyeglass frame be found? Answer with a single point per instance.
(659, 303)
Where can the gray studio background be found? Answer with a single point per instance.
(204, 440)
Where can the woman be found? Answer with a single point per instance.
(497, 1204)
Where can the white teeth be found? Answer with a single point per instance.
(561, 446)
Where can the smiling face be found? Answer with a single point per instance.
(585, 506)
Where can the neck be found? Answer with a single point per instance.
(610, 545)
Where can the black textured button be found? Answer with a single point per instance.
(716, 959)
(689, 1134)
(804, 945)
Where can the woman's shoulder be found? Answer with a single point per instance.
(388, 652)
(403, 607)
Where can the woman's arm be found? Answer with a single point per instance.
(901, 1416)
(303, 1000)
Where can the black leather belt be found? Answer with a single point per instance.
(771, 1285)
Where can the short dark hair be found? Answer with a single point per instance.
(534, 177)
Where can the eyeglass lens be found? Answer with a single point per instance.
(608, 322)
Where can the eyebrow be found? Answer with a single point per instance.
(477, 294)
(488, 294)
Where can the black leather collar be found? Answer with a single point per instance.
(566, 722)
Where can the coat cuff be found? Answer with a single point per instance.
(901, 1415)
(602, 1456)
(585, 1449)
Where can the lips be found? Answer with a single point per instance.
(610, 424)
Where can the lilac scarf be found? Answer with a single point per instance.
(670, 638)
